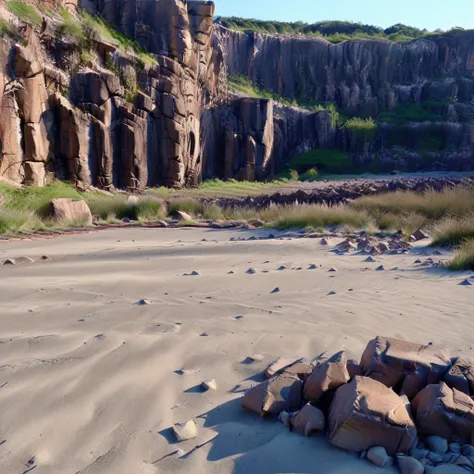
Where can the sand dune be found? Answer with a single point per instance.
(91, 381)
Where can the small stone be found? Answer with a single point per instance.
(204, 334)
(230, 273)
(46, 257)
(324, 242)
(465, 283)
(331, 293)
(455, 448)
(434, 457)
(10, 261)
(251, 271)
(417, 261)
(409, 465)
(284, 417)
(363, 455)
(370, 260)
(281, 268)
(193, 273)
(185, 431)
(209, 384)
(312, 267)
(420, 453)
(381, 268)
(143, 302)
(437, 444)
(276, 290)
(182, 216)
(378, 456)
(256, 357)
(332, 270)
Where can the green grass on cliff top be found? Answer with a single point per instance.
(26, 13)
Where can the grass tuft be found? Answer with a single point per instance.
(452, 232)
(24, 12)
(463, 259)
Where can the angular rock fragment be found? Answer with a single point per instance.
(365, 413)
(209, 384)
(71, 210)
(461, 375)
(282, 393)
(185, 431)
(326, 377)
(445, 412)
(404, 365)
(308, 420)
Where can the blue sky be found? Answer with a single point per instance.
(430, 14)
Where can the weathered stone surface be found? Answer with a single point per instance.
(442, 411)
(308, 420)
(461, 375)
(436, 444)
(409, 465)
(404, 365)
(326, 377)
(365, 413)
(64, 209)
(282, 393)
(378, 456)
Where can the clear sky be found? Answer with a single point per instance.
(429, 14)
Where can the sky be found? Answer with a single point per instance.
(429, 14)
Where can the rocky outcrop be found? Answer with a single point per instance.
(364, 78)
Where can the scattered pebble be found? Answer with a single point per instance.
(230, 273)
(10, 261)
(282, 268)
(465, 283)
(312, 267)
(193, 273)
(381, 268)
(185, 431)
(143, 302)
(324, 242)
(256, 357)
(332, 269)
(276, 290)
(251, 271)
(204, 334)
(209, 384)
(370, 260)
(331, 293)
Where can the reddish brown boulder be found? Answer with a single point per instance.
(274, 396)
(446, 412)
(326, 377)
(308, 420)
(71, 210)
(403, 365)
(461, 376)
(366, 413)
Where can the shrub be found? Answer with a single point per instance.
(70, 28)
(288, 175)
(25, 13)
(363, 128)
(463, 258)
(189, 206)
(452, 232)
(310, 175)
(324, 159)
(212, 212)
(150, 209)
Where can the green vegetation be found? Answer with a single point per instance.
(334, 31)
(70, 27)
(428, 111)
(288, 175)
(310, 176)
(463, 259)
(362, 128)
(324, 160)
(98, 27)
(452, 232)
(6, 29)
(25, 12)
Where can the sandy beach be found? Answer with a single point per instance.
(92, 382)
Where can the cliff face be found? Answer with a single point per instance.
(95, 114)
(364, 78)
(72, 121)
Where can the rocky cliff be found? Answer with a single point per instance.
(93, 108)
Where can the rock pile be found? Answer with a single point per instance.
(404, 403)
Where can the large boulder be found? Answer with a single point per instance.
(405, 366)
(326, 377)
(442, 411)
(365, 413)
(71, 210)
(282, 393)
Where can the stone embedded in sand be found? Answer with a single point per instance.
(282, 393)
(406, 364)
(324, 242)
(313, 267)
(326, 377)
(418, 261)
(308, 420)
(370, 259)
(281, 268)
(378, 455)
(381, 268)
(365, 413)
(183, 216)
(409, 465)
(193, 273)
(251, 271)
(185, 431)
(256, 357)
(276, 290)
(465, 283)
(442, 411)
(71, 210)
(10, 261)
(461, 375)
(230, 273)
(332, 270)
(331, 293)
(346, 246)
(437, 444)
(209, 384)
(301, 369)
(143, 303)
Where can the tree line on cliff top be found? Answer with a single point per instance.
(333, 31)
